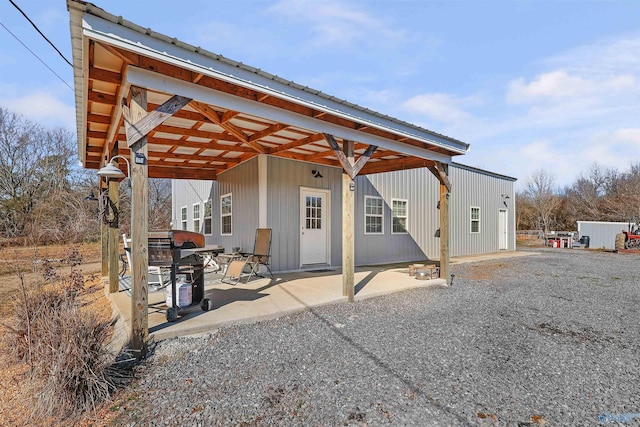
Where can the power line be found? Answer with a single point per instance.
(33, 53)
(38, 30)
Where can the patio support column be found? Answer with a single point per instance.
(114, 232)
(444, 226)
(348, 246)
(104, 239)
(139, 228)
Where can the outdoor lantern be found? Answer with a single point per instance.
(112, 171)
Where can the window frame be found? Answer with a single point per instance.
(406, 216)
(381, 216)
(223, 215)
(474, 220)
(208, 218)
(196, 220)
(184, 217)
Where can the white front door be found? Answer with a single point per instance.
(314, 226)
(502, 230)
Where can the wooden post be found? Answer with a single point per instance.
(348, 246)
(104, 239)
(444, 229)
(114, 285)
(139, 229)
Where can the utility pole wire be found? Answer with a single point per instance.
(39, 59)
(38, 30)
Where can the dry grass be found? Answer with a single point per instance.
(56, 367)
(29, 261)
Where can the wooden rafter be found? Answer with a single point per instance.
(298, 143)
(212, 115)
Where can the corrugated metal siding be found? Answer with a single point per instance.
(601, 234)
(242, 182)
(472, 188)
(284, 179)
(420, 188)
(187, 193)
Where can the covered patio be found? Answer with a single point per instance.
(266, 298)
(172, 110)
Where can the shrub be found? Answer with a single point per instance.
(65, 345)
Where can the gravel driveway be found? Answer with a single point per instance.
(550, 339)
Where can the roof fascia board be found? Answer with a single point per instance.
(79, 52)
(229, 71)
(170, 85)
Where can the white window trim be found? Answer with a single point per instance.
(471, 220)
(366, 215)
(184, 223)
(194, 219)
(229, 214)
(210, 217)
(406, 217)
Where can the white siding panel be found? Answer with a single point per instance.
(285, 177)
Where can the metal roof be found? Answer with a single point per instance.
(109, 52)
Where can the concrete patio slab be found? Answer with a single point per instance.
(264, 298)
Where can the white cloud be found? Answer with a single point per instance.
(559, 85)
(441, 107)
(337, 24)
(42, 106)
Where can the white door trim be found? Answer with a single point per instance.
(505, 231)
(327, 220)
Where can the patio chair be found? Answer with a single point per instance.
(260, 256)
(156, 278)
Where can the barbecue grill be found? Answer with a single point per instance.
(182, 251)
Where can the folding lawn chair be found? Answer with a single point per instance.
(260, 256)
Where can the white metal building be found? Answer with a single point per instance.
(396, 213)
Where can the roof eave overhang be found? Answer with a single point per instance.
(109, 29)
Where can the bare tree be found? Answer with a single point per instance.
(541, 195)
(35, 165)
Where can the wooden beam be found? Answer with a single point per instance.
(277, 127)
(444, 228)
(363, 159)
(139, 129)
(199, 145)
(139, 230)
(438, 170)
(175, 173)
(347, 160)
(105, 75)
(299, 143)
(114, 233)
(348, 246)
(212, 115)
(123, 55)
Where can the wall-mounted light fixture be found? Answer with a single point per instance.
(112, 171)
(316, 173)
(505, 197)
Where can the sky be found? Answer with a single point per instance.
(530, 84)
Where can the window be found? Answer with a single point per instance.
(225, 215)
(475, 219)
(373, 215)
(399, 216)
(207, 217)
(183, 217)
(196, 217)
(313, 216)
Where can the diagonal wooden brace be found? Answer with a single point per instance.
(138, 130)
(350, 167)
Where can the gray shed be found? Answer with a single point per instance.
(602, 235)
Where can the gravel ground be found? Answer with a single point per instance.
(550, 339)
